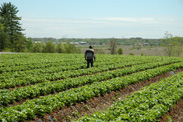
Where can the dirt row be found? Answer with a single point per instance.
(175, 114)
(22, 101)
(100, 103)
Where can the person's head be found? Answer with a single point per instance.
(90, 47)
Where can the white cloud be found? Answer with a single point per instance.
(126, 19)
(100, 27)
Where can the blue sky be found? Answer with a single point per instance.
(100, 18)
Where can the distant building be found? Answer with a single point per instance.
(63, 43)
(97, 44)
(55, 42)
(136, 37)
(140, 44)
(83, 43)
(146, 44)
(37, 42)
(76, 43)
(156, 44)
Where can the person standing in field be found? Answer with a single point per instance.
(90, 56)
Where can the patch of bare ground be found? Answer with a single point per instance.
(175, 114)
(100, 103)
(136, 50)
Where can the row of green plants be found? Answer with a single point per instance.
(34, 61)
(26, 79)
(39, 61)
(63, 61)
(8, 60)
(19, 62)
(22, 93)
(146, 105)
(47, 104)
(70, 65)
(40, 66)
(30, 58)
(31, 63)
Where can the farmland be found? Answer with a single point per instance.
(59, 87)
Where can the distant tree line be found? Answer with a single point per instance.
(50, 47)
(106, 41)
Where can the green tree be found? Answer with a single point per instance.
(12, 26)
(131, 53)
(71, 48)
(49, 47)
(178, 41)
(29, 45)
(19, 43)
(120, 51)
(4, 40)
(173, 45)
(142, 54)
(37, 48)
(59, 48)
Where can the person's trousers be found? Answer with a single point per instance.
(89, 61)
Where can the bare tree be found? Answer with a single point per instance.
(169, 50)
(120, 51)
(113, 45)
(179, 44)
(169, 47)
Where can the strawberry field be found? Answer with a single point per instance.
(59, 87)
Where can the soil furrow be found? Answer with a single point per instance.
(175, 114)
(100, 103)
(77, 76)
(20, 102)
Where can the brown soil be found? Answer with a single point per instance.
(100, 103)
(22, 101)
(175, 114)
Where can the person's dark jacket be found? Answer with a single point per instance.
(90, 54)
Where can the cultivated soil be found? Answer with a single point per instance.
(101, 103)
(175, 114)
